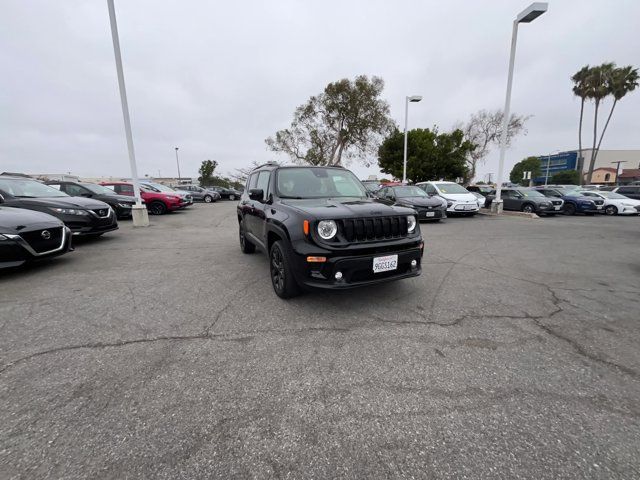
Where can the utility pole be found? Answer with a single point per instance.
(617, 164)
(177, 163)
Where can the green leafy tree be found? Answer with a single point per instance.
(206, 172)
(347, 121)
(430, 155)
(529, 164)
(566, 177)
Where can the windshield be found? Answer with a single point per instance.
(409, 192)
(372, 187)
(613, 195)
(99, 189)
(531, 193)
(318, 183)
(451, 188)
(29, 189)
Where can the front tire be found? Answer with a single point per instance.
(232, 197)
(284, 284)
(569, 209)
(611, 210)
(208, 199)
(157, 208)
(528, 208)
(245, 245)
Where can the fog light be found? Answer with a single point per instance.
(414, 263)
(338, 275)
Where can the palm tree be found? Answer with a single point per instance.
(598, 88)
(580, 90)
(622, 81)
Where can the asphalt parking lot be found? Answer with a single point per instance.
(164, 353)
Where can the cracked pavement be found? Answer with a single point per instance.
(164, 353)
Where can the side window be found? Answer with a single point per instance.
(74, 190)
(431, 190)
(110, 187)
(126, 189)
(252, 182)
(263, 183)
(57, 186)
(383, 192)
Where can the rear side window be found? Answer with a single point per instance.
(624, 190)
(263, 183)
(126, 188)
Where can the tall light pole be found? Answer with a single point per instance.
(617, 164)
(528, 15)
(177, 163)
(139, 212)
(413, 99)
(546, 177)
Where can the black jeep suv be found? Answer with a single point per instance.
(321, 229)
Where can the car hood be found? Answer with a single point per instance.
(459, 197)
(14, 220)
(116, 197)
(344, 208)
(62, 202)
(419, 201)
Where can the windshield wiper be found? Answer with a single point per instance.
(24, 196)
(293, 198)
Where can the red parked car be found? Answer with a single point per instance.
(157, 202)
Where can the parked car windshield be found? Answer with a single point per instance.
(29, 189)
(160, 188)
(409, 192)
(613, 195)
(451, 188)
(99, 189)
(318, 183)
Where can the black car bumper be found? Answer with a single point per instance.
(356, 270)
(18, 249)
(90, 224)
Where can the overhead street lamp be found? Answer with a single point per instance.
(412, 99)
(546, 177)
(138, 212)
(528, 15)
(177, 163)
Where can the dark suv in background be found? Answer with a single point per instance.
(321, 229)
(574, 201)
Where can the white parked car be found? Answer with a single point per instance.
(458, 198)
(614, 203)
(481, 199)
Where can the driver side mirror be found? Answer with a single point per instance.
(256, 194)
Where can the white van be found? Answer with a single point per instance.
(459, 199)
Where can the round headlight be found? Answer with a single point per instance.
(411, 223)
(327, 229)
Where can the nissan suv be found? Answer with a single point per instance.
(321, 229)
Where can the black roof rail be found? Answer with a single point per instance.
(268, 164)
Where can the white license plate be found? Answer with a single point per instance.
(557, 208)
(385, 264)
(430, 214)
(470, 207)
(598, 207)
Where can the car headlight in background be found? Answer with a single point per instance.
(70, 211)
(125, 205)
(411, 223)
(327, 229)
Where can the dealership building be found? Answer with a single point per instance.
(605, 166)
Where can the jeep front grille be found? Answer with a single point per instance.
(375, 228)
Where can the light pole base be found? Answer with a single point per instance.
(496, 207)
(140, 216)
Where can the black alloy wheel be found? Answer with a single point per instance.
(245, 245)
(282, 279)
(157, 208)
(569, 209)
(611, 210)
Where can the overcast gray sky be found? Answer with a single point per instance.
(217, 78)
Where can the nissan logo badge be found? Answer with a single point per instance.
(46, 234)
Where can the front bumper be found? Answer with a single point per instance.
(425, 214)
(463, 208)
(14, 251)
(90, 224)
(356, 269)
